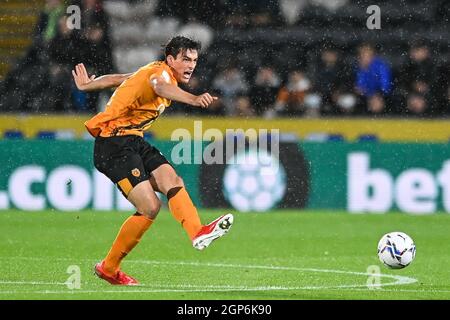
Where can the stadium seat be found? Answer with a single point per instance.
(118, 10)
(367, 138)
(125, 11)
(161, 29)
(13, 134)
(124, 34)
(47, 135)
(129, 60)
(335, 138)
(199, 31)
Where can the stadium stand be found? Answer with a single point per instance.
(17, 20)
(319, 39)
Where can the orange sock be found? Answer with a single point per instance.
(128, 237)
(184, 211)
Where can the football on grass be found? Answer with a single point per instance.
(396, 250)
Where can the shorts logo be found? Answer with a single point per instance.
(135, 172)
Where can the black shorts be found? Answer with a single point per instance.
(126, 160)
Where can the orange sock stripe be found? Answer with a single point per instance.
(185, 212)
(128, 237)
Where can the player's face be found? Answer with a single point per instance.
(183, 65)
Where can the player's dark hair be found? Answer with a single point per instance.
(181, 44)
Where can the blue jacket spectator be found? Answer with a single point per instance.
(373, 75)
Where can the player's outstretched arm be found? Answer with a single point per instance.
(173, 92)
(84, 82)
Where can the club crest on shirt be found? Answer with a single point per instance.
(135, 172)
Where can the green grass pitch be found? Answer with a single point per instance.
(288, 255)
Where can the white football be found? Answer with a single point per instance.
(396, 250)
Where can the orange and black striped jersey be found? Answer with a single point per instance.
(134, 106)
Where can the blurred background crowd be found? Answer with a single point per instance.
(267, 58)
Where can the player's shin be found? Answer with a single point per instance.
(128, 237)
(184, 211)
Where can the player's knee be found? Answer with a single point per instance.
(151, 209)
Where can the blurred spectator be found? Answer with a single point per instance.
(313, 103)
(41, 79)
(376, 104)
(291, 96)
(67, 47)
(419, 72)
(55, 50)
(45, 30)
(236, 14)
(331, 81)
(47, 25)
(243, 107)
(217, 108)
(417, 80)
(98, 56)
(264, 13)
(230, 83)
(416, 104)
(345, 103)
(95, 28)
(373, 79)
(65, 50)
(264, 89)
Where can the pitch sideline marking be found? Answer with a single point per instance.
(399, 280)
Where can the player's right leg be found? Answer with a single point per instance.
(116, 158)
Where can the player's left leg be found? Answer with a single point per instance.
(184, 211)
(164, 179)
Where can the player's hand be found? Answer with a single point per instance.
(81, 77)
(204, 100)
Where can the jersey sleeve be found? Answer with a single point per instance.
(161, 72)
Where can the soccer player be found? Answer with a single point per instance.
(137, 168)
